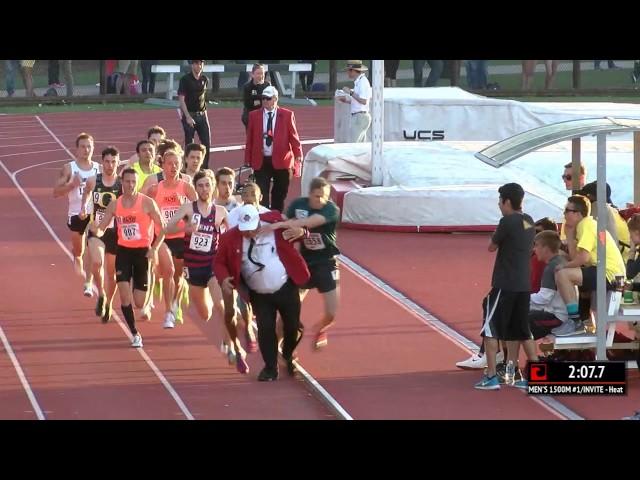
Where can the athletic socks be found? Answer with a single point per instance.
(574, 312)
(130, 319)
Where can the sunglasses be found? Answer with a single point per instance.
(567, 177)
(267, 98)
(567, 210)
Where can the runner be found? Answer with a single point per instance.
(155, 135)
(193, 157)
(170, 193)
(225, 186)
(146, 165)
(104, 188)
(71, 182)
(134, 213)
(205, 221)
(318, 216)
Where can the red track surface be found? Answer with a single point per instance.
(382, 361)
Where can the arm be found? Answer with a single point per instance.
(183, 109)
(149, 187)
(108, 215)
(221, 214)
(222, 273)
(88, 189)
(294, 139)
(580, 258)
(190, 191)
(499, 235)
(248, 147)
(186, 210)
(64, 184)
(151, 208)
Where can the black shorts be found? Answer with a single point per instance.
(324, 276)
(76, 225)
(506, 315)
(133, 263)
(541, 323)
(110, 240)
(198, 276)
(176, 246)
(589, 279)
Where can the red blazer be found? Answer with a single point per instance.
(228, 257)
(286, 143)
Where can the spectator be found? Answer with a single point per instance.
(243, 76)
(148, 77)
(529, 69)
(271, 269)
(547, 309)
(127, 70)
(633, 262)
(610, 65)
(635, 75)
(10, 75)
(390, 72)
(306, 78)
(26, 69)
(359, 98)
(567, 176)
(477, 74)
(191, 95)
(252, 92)
(272, 72)
(53, 72)
(537, 266)
(581, 231)
(273, 149)
(434, 75)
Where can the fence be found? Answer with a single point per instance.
(504, 78)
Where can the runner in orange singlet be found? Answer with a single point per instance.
(135, 215)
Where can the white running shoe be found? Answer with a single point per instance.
(477, 361)
(145, 313)
(88, 290)
(137, 341)
(169, 321)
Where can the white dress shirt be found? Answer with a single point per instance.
(273, 276)
(362, 88)
(266, 151)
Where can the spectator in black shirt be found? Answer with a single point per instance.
(252, 92)
(191, 94)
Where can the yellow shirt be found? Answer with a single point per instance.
(622, 229)
(142, 176)
(586, 235)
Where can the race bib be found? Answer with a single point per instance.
(100, 216)
(130, 231)
(314, 242)
(169, 212)
(201, 242)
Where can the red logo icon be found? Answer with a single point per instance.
(538, 372)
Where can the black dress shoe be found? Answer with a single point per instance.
(267, 375)
(291, 368)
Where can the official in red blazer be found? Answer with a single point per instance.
(271, 270)
(273, 149)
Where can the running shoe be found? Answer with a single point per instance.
(177, 312)
(145, 313)
(185, 295)
(169, 321)
(100, 306)
(107, 314)
(488, 383)
(137, 341)
(88, 291)
(320, 341)
(241, 365)
(477, 361)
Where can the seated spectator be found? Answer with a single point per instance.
(633, 261)
(581, 231)
(547, 310)
(537, 266)
(616, 225)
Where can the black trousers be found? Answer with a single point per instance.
(54, 71)
(285, 301)
(148, 78)
(281, 178)
(202, 127)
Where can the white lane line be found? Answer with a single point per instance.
(551, 404)
(21, 375)
(25, 144)
(30, 153)
(38, 165)
(333, 403)
(12, 137)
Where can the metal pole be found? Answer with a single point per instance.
(636, 167)
(576, 74)
(601, 289)
(103, 77)
(377, 120)
(575, 164)
(333, 76)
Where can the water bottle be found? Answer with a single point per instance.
(509, 373)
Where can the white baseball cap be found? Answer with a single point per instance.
(270, 91)
(249, 218)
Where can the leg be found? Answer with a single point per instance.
(10, 76)
(418, 66)
(528, 71)
(68, 76)
(281, 179)
(202, 127)
(288, 300)
(265, 310)
(201, 300)
(551, 66)
(359, 125)
(189, 132)
(152, 77)
(263, 179)
(166, 272)
(145, 67)
(53, 72)
(27, 78)
(110, 282)
(435, 73)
